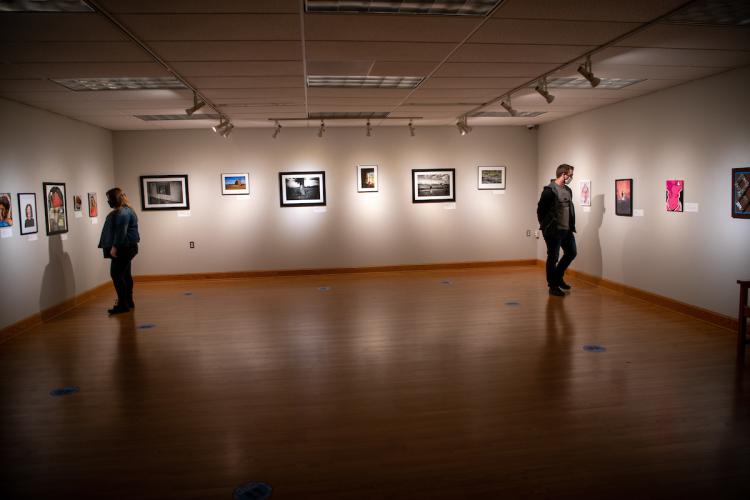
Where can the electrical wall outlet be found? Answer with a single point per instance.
(528, 232)
(192, 244)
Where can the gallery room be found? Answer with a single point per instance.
(341, 289)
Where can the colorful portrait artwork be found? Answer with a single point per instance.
(54, 204)
(675, 195)
(624, 197)
(93, 207)
(584, 192)
(6, 210)
(76, 203)
(741, 193)
(27, 207)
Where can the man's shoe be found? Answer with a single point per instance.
(553, 290)
(564, 286)
(131, 304)
(118, 310)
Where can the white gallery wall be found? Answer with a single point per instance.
(253, 233)
(41, 271)
(696, 132)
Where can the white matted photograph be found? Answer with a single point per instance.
(27, 211)
(584, 193)
(235, 183)
(367, 178)
(433, 185)
(491, 177)
(302, 189)
(164, 192)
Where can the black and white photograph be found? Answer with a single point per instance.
(491, 177)
(27, 213)
(164, 192)
(433, 185)
(367, 178)
(302, 189)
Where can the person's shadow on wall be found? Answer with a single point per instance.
(592, 245)
(58, 282)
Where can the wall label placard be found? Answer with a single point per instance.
(183, 213)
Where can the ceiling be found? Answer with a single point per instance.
(250, 59)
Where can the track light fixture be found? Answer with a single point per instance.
(368, 128)
(463, 125)
(508, 107)
(411, 128)
(322, 128)
(223, 123)
(227, 131)
(197, 104)
(585, 71)
(541, 88)
(277, 130)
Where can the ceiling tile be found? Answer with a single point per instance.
(472, 83)
(587, 10)
(690, 37)
(81, 70)
(481, 52)
(201, 6)
(229, 51)
(247, 82)
(240, 68)
(199, 27)
(514, 70)
(385, 28)
(549, 32)
(58, 52)
(57, 27)
(673, 57)
(383, 51)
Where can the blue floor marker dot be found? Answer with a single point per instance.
(64, 391)
(253, 490)
(325, 288)
(512, 303)
(146, 326)
(594, 348)
(188, 293)
(446, 282)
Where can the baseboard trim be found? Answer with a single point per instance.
(335, 270)
(51, 312)
(675, 305)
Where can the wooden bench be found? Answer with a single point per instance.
(742, 339)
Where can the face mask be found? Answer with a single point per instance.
(568, 180)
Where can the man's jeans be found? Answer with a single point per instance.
(555, 270)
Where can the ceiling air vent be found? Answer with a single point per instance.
(713, 13)
(95, 84)
(44, 6)
(505, 114)
(368, 82)
(424, 7)
(582, 83)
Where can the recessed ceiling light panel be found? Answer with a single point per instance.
(161, 118)
(424, 7)
(713, 13)
(374, 82)
(91, 84)
(582, 83)
(44, 6)
(348, 115)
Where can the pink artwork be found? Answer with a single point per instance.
(675, 192)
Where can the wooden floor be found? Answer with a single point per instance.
(469, 384)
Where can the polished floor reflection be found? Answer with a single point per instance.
(409, 385)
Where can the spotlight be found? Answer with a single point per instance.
(463, 126)
(227, 131)
(368, 129)
(223, 123)
(411, 128)
(277, 130)
(322, 129)
(196, 105)
(508, 107)
(541, 88)
(585, 71)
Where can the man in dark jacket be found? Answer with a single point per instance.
(557, 220)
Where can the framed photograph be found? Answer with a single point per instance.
(55, 203)
(741, 193)
(235, 183)
(27, 209)
(491, 177)
(302, 189)
(6, 210)
(584, 193)
(367, 178)
(93, 207)
(624, 197)
(76, 202)
(433, 185)
(675, 195)
(164, 192)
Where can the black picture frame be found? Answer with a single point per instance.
(27, 227)
(440, 181)
(741, 193)
(624, 197)
(165, 192)
(55, 217)
(302, 189)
